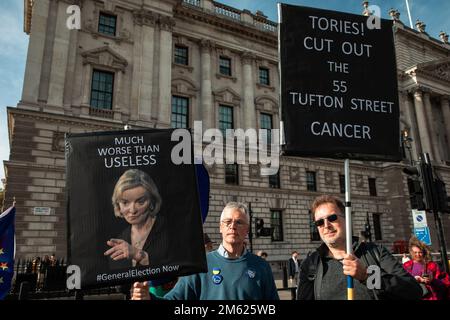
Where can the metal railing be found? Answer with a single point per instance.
(195, 3)
(228, 12)
(36, 279)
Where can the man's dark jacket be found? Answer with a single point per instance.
(291, 267)
(396, 283)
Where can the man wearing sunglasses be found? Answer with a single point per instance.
(233, 272)
(323, 273)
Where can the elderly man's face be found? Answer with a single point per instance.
(234, 227)
(332, 233)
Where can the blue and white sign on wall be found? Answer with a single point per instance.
(423, 234)
(419, 219)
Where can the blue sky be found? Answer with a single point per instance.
(14, 42)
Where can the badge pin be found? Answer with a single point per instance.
(216, 271)
(217, 279)
(251, 274)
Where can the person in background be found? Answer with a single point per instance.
(209, 244)
(262, 254)
(293, 268)
(425, 271)
(405, 258)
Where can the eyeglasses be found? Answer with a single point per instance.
(330, 218)
(237, 223)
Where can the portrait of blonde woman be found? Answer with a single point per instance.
(135, 199)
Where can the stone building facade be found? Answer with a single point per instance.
(170, 63)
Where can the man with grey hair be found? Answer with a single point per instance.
(233, 272)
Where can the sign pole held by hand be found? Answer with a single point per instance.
(348, 224)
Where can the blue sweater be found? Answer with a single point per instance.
(246, 278)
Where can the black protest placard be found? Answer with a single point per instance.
(132, 214)
(338, 85)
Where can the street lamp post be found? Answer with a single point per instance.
(406, 141)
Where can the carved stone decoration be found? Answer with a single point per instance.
(125, 34)
(359, 181)
(443, 71)
(78, 3)
(89, 25)
(227, 95)
(254, 171)
(184, 85)
(105, 56)
(206, 45)
(328, 178)
(294, 174)
(438, 69)
(144, 17)
(166, 23)
(247, 57)
(266, 103)
(277, 203)
(58, 143)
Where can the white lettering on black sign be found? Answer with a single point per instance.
(339, 85)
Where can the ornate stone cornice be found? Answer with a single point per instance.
(166, 23)
(236, 27)
(420, 90)
(206, 45)
(96, 124)
(445, 98)
(227, 95)
(27, 14)
(248, 57)
(105, 56)
(144, 17)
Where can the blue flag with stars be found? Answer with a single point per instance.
(7, 219)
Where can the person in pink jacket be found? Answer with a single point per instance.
(425, 271)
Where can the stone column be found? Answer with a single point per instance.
(206, 112)
(413, 132)
(60, 58)
(422, 122)
(70, 70)
(248, 89)
(87, 71)
(432, 127)
(35, 55)
(118, 96)
(143, 62)
(165, 70)
(446, 113)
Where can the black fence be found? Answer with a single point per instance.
(36, 279)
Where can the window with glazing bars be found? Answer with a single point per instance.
(102, 89)
(276, 222)
(266, 123)
(225, 119)
(181, 55)
(274, 180)
(342, 183)
(225, 66)
(373, 187)
(264, 76)
(180, 112)
(311, 181)
(107, 24)
(231, 174)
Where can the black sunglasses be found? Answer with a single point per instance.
(330, 218)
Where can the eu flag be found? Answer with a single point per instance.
(7, 219)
